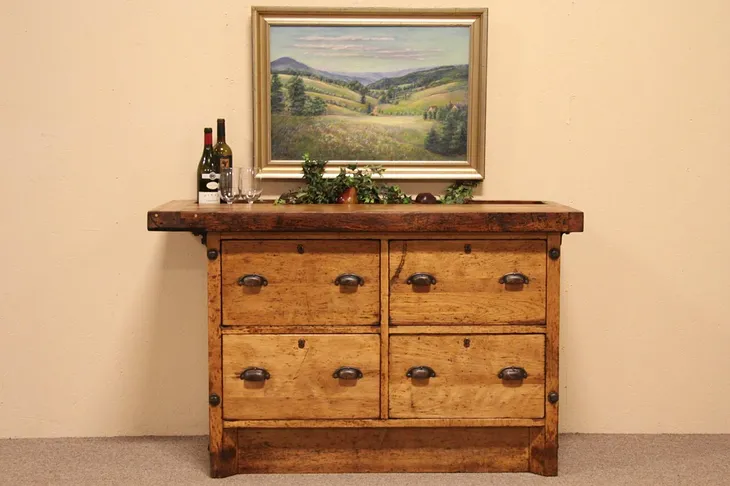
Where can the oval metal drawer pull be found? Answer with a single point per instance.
(420, 279)
(253, 280)
(349, 280)
(347, 373)
(421, 373)
(255, 374)
(514, 278)
(512, 373)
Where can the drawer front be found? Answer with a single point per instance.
(300, 283)
(469, 283)
(292, 376)
(467, 382)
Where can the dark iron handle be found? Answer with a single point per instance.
(420, 279)
(514, 278)
(349, 280)
(253, 280)
(255, 374)
(347, 373)
(512, 373)
(421, 373)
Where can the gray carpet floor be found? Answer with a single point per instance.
(585, 460)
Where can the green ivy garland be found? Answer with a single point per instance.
(319, 190)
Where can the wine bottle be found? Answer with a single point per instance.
(208, 173)
(222, 153)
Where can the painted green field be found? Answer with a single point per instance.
(346, 132)
(421, 100)
(338, 110)
(352, 105)
(315, 87)
(337, 137)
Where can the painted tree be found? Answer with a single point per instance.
(277, 94)
(432, 141)
(297, 97)
(449, 135)
(315, 106)
(461, 150)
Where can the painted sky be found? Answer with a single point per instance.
(371, 49)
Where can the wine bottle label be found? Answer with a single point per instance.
(213, 186)
(225, 162)
(212, 176)
(208, 198)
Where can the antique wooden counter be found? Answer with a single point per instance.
(381, 338)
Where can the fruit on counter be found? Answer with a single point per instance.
(426, 198)
(348, 196)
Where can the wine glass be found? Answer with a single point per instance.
(229, 186)
(251, 184)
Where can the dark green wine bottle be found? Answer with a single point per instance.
(222, 153)
(208, 173)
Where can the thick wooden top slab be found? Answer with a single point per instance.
(478, 216)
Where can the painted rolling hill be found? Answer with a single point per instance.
(411, 114)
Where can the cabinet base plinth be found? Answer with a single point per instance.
(224, 462)
(385, 450)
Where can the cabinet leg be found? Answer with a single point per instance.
(224, 463)
(543, 452)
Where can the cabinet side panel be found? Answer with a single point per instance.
(223, 444)
(544, 448)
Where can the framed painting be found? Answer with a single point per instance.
(401, 88)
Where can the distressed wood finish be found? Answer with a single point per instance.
(223, 444)
(481, 216)
(544, 441)
(304, 420)
(467, 289)
(382, 423)
(383, 450)
(385, 327)
(301, 384)
(267, 235)
(301, 288)
(301, 330)
(409, 329)
(466, 384)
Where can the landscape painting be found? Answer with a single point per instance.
(403, 89)
(369, 93)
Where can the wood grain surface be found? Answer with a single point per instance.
(481, 216)
(467, 289)
(383, 450)
(466, 383)
(382, 423)
(301, 329)
(301, 384)
(223, 444)
(384, 327)
(544, 440)
(301, 288)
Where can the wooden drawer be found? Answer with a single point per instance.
(300, 282)
(468, 288)
(467, 382)
(300, 383)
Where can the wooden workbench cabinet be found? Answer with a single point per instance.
(362, 338)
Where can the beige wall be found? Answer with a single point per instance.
(619, 108)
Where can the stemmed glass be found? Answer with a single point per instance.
(230, 184)
(251, 184)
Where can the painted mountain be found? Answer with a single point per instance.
(289, 65)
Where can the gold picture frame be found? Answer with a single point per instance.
(397, 120)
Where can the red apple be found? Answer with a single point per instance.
(348, 196)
